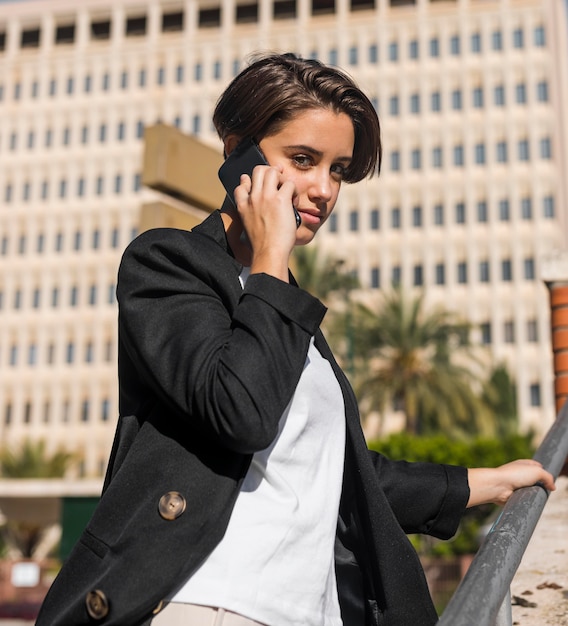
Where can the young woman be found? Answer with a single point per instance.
(240, 489)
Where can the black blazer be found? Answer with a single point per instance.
(206, 370)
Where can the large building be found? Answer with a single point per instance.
(473, 98)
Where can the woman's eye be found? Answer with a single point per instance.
(302, 160)
(338, 170)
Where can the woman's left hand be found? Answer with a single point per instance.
(496, 484)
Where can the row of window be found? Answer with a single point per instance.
(478, 100)
(461, 275)
(126, 82)
(481, 155)
(78, 241)
(438, 160)
(62, 189)
(84, 136)
(47, 412)
(32, 355)
(439, 216)
(54, 299)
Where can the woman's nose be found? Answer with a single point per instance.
(321, 187)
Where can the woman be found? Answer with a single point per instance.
(240, 489)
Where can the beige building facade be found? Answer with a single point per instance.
(473, 195)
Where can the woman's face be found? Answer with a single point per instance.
(314, 150)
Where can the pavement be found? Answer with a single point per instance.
(539, 590)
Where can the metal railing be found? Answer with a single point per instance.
(483, 596)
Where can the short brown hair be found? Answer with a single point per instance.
(275, 88)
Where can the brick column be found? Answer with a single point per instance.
(559, 333)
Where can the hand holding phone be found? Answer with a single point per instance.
(242, 160)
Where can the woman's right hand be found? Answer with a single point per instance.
(264, 204)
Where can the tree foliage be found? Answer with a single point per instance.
(419, 363)
(31, 460)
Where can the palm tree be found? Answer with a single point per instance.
(30, 461)
(420, 364)
(321, 275)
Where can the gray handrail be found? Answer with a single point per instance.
(479, 599)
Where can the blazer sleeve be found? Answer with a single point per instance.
(224, 360)
(426, 498)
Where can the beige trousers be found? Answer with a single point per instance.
(177, 614)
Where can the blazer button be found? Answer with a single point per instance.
(97, 604)
(171, 505)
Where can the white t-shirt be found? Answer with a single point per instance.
(275, 563)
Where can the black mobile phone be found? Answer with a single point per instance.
(242, 160)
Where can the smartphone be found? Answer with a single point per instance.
(242, 160)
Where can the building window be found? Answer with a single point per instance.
(353, 55)
(480, 154)
(100, 30)
(440, 274)
(395, 276)
(458, 156)
(542, 91)
(509, 332)
(504, 212)
(373, 54)
(485, 333)
(196, 124)
(417, 216)
(499, 95)
(476, 43)
(59, 242)
(434, 47)
(375, 278)
(106, 81)
(70, 85)
(395, 160)
(62, 188)
(506, 270)
(534, 392)
(521, 93)
(532, 331)
(99, 186)
(548, 207)
(455, 45)
(92, 295)
(523, 148)
(529, 269)
(545, 148)
(502, 152)
(437, 157)
(54, 298)
(87, 83)
(332, 223)
(30, 38)
(497, 40)
(353, 221)
(102, 133)
(198, 72)
(395, 218)
(484, 271)
(179, 72)
(460, 213)
(478, 98)
(539, 37)
(135, 26)
(36, 298)
(66, 136)
(393, 105)
(114, 238)
(413, 49)
(172, 22)
(375, 219)
(456, 99)
(518, 38)
(333, 56)
(416, 159)
(74, 296)
(526, 208)
(438, 214)
(435, 101)
(462, 273)
(393, 51)
(418, 278)
(415, 103)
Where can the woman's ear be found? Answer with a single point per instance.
(230, 143)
